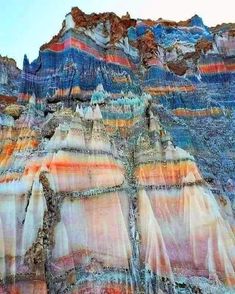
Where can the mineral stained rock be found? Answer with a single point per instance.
(117, 160)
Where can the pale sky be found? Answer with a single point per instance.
(26, 24)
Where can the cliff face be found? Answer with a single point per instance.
(9, 77)
(187, 67)
(9, 86)
(118, 160)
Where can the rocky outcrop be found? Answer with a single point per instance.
(117, 27)
(13, 110)
(9, 77)
(178, 67)
(117, 160)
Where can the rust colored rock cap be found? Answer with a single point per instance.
(119, 25)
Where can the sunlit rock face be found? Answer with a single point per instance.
(117, 162)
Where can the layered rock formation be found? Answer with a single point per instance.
(117, 164)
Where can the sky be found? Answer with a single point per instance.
(27, 24)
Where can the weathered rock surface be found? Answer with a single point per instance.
(13, 110)
(117, 162)
(9, 77)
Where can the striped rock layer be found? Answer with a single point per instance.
(108, 180)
